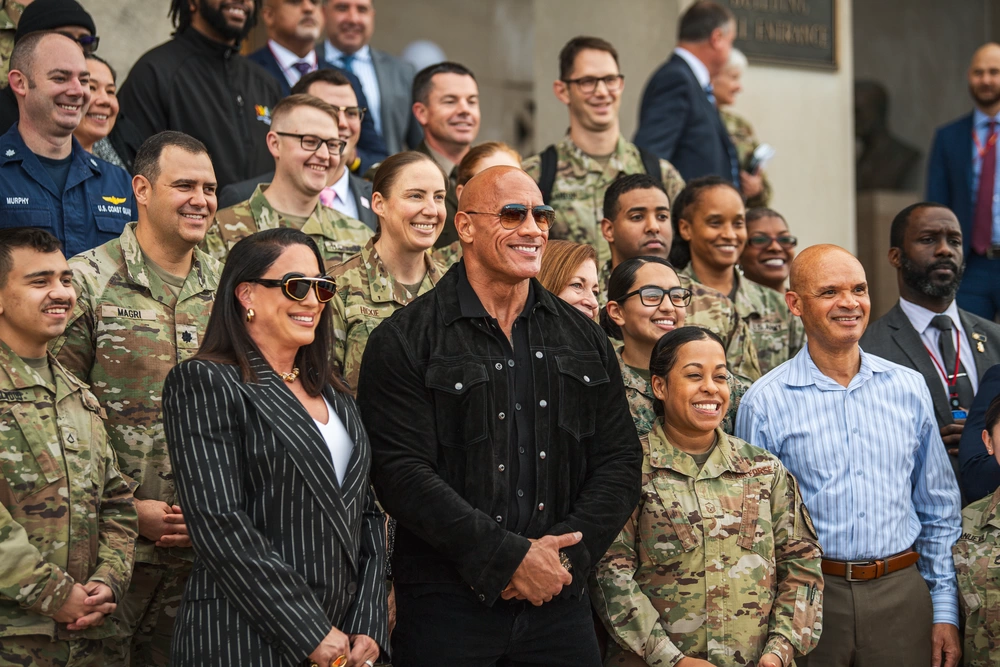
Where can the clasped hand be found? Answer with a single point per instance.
(86, 606)
(357, 648)
(541, 576)
(162, 523)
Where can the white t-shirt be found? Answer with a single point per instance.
(338, 440)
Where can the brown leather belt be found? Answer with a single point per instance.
(867, 570)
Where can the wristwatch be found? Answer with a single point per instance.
(565, 561)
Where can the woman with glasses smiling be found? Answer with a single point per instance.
(645, 302)
(271, 463)
(395, 266)
(770, 249)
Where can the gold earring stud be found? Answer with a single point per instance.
(250, 314)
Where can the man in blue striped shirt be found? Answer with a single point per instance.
(860, 435)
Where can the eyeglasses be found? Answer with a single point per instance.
(296, 286)
(311, 142)
(352, 113)
(588, 84)
(763, 240)
(88, 42)
(651, 295)
(513, 216)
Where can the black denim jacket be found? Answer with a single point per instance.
(431, 390)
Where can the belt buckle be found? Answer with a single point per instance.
(849, 569)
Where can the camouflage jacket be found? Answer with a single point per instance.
(9, 16)
(777, 334)
(721, 564)
(366, 295)
(124, 336)
(977, 564)
(741, 132)
(714, 311)
(337, 235)
(66, 513)
(578, 191)
(641, 400)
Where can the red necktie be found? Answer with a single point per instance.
(982, 220)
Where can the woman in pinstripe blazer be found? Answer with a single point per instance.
(289, 544)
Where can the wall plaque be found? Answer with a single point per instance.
(787, 32)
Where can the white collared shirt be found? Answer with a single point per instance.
(344, 201)
(362, 67)
(698, 67)
(921, 318)
(286, 61)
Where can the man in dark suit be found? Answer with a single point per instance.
(349, 194)
(387, 80)
(926, 331)
(290, 54)
(980, 470)
(971, 188)
(678, 119)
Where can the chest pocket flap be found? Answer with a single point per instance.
(578, 382)
(460, 401)
(27, 462)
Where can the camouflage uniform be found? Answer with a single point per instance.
(641, 400)
(127, 331)
(714, 311)
(741, 132)
(366, 295)
(977, 564)
(725, 568)
(578, 191)
(10, 14)
(449, 255)
(777, 334)
(337, 235)
(66, 513)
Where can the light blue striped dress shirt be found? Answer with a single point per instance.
(869, 460)
(364, 68)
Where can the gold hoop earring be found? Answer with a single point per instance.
(250, 314)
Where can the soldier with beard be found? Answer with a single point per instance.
(199, 84)
(974, 193)
(927, 331)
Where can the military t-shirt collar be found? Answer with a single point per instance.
(140, 274)
(724, 459)
(384, 287)
(630, 378)
(22, 376)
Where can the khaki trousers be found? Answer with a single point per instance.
(879, 623)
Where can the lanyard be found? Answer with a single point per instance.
(952, 381)
(989, 142)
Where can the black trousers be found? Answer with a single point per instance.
(452, 627)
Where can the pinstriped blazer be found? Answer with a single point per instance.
(282, 552)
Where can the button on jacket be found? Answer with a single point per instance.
(92, 209)
(436, 407)
(66, 513)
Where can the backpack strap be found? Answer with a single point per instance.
(651, 163)
(548, 176)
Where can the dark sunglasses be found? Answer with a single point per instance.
(88, 42)
(651, 295)
(296, 286)
(513, 216)
(763, 240)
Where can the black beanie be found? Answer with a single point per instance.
(50, 14)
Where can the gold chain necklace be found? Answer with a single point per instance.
(289, 377)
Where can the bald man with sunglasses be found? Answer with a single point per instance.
(305, 142)
(144, 301)
(503, 446)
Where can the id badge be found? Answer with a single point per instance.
(959, 414)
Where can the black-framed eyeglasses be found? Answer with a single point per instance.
(352, 113)
(88, 42)
(651, 295)
(311, 143)
(763, 240)
(513, 216)
(296, 286)
(588, 84)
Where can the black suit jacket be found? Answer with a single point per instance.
(371, 147)
(282, 552)
(360, 189)
(678, 123)
(980, 470)
(892, 337)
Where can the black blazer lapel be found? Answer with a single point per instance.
(909, 342)
(293, 426)
(349, 416)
